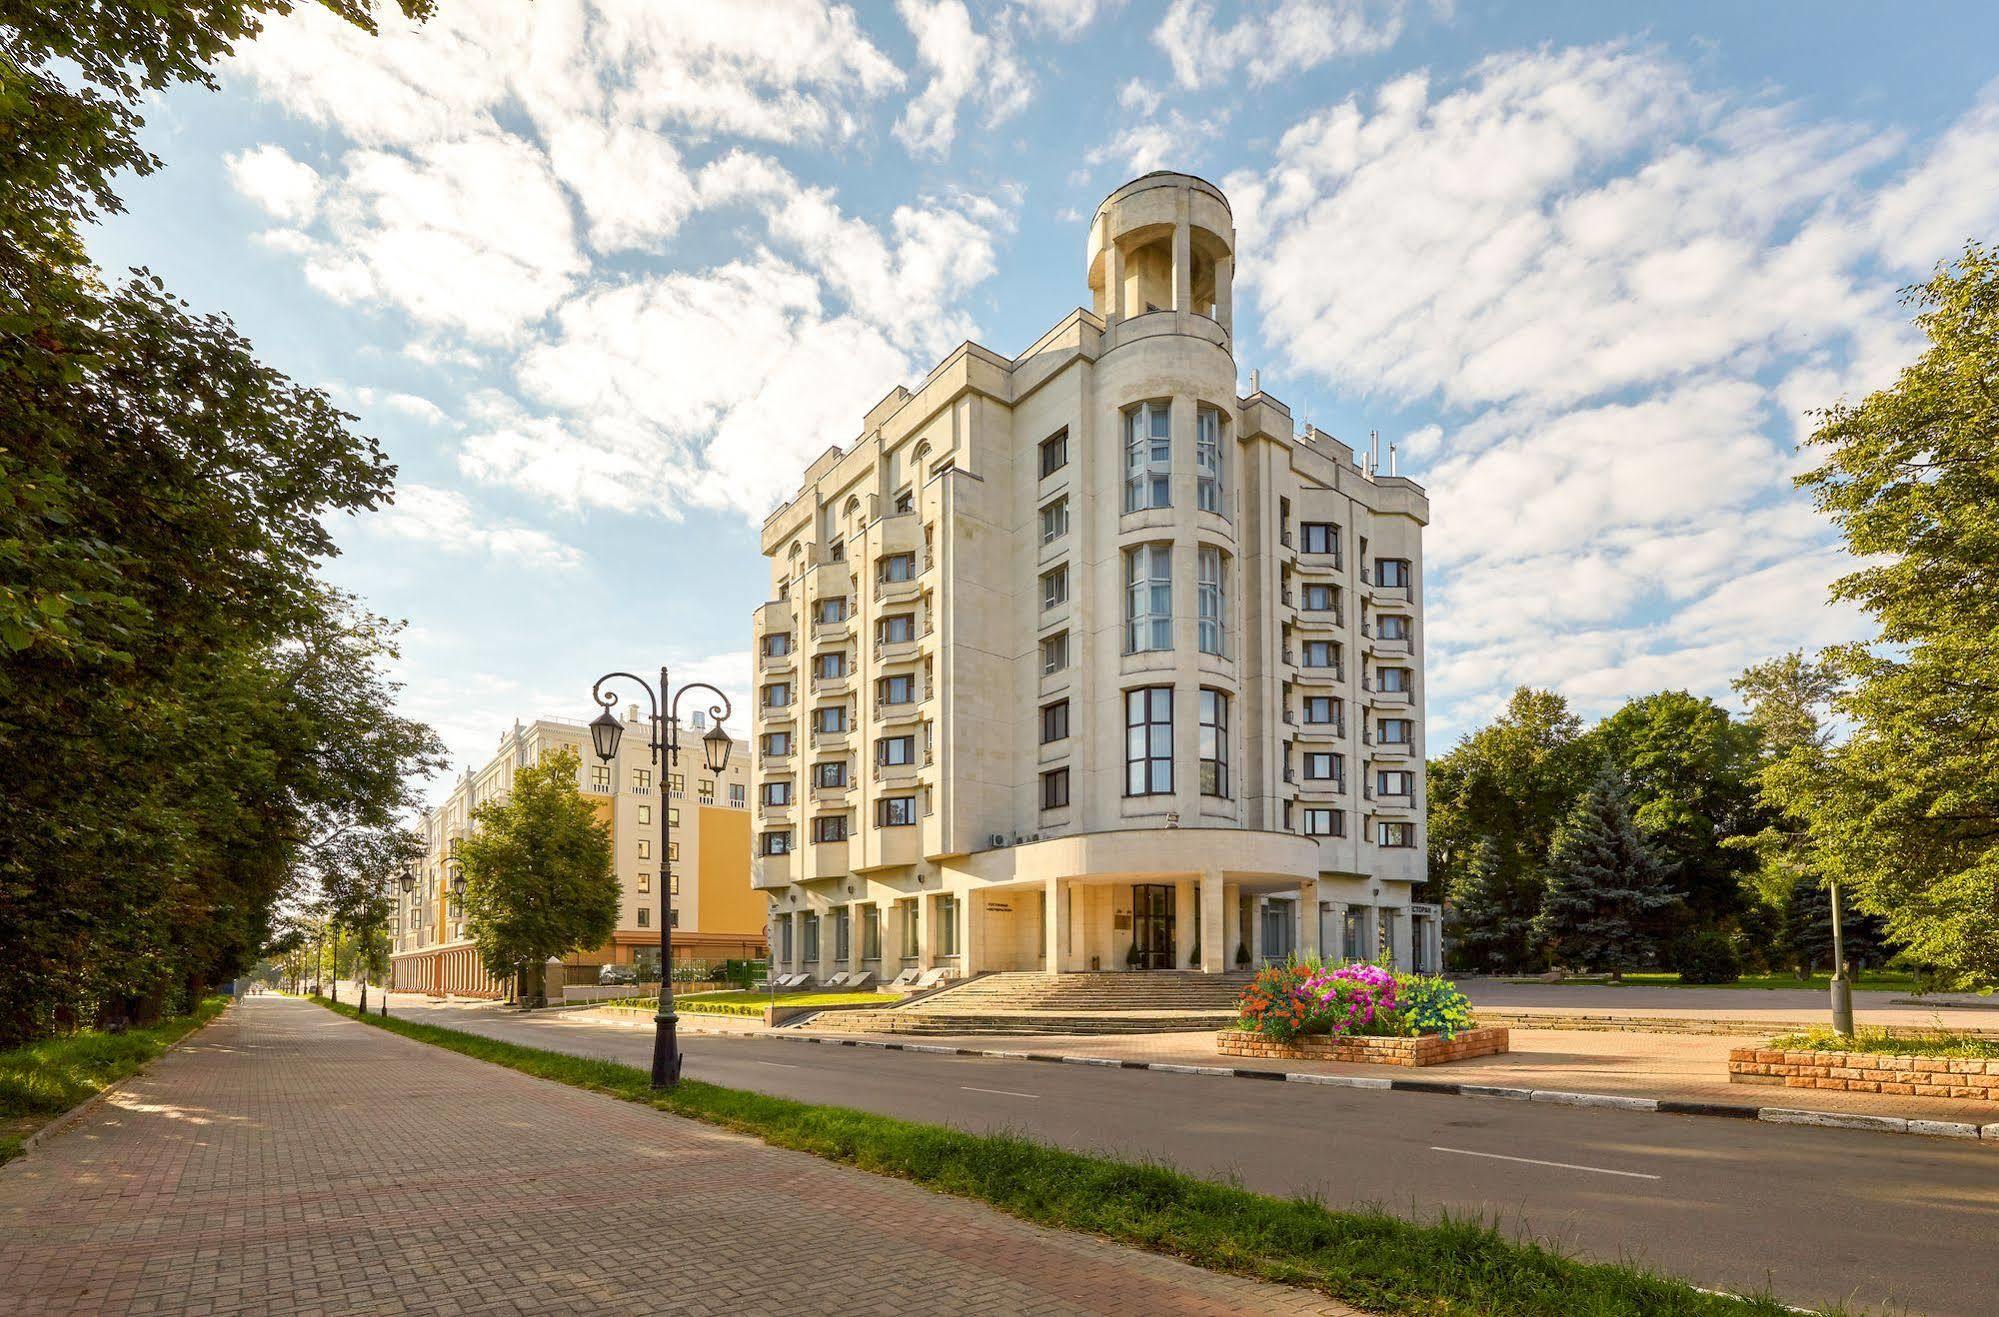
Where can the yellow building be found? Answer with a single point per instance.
(703, 886)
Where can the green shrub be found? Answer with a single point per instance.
(1942, 1042)
(1708, 957)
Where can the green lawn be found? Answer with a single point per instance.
(1941, 1042)
(1868, 981)
(45, 1079)
(1449, 1268)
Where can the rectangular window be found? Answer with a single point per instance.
(672, 853)
(871, 932)
(777, 695)
(1392, 679)
(1322, 599)
(811, 939)
(831, 773)
(1323, 766)
(911, 943)
(777, 841)
(1148, 456)
(704, 790)
(1210, 461)
(1392, 626)
(1054, 721)
(898, 567)
(645, 884)
(947, 925)
(600, 776)
(1148, 754)
(1396, 731)
(1055, 520)
(843, 932)
(831, 610)
(1055, 587)
(673, 816)
(645, 917)
(1391, 573)
(1055, 789)
(895, 811)
(645, 813)
(1322, 710)
(830, 665)
(1054, 453)
(1318, 537)
(893, 750)
(1322, 654)
(777, 644)
(736, 794)
(676, 782)
(829, 827)
(897, 689)
(777, 794)
(1393, 782)
(1395, 835)
(777, 744)
(1214, 742)
(1054, 653)
(1211, 596)
(1324, 822)
(645, 849)
(829, 719)
(896, 629)
(1148, 598)
(641, 779)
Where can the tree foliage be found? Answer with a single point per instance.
(539, 881)
(1607, 892)
(185, 709)
(1905, 812)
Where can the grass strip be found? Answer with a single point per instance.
(41, 1080)
(1366, 1258)
(1942, 1042)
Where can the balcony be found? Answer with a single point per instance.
(889, 592)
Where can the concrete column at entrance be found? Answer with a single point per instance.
(1333, 943)
(972, 933)
(1371, 932)
(1231, 923)
(1308, 918)
(1256, 931)
(1055, 924)
(1398, 937)
(856, 918)
(1186, 922)
(926, 931)
(1215, 949)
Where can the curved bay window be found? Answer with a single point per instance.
(1148, 607)
(1211, 595)
(1148, 456)
(1210, 462)
(1148, 754)
(1214, 742)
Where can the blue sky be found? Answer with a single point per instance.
(603, 274)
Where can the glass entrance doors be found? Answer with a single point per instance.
(1152, 924)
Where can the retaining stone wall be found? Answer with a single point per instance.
(1430, 1050)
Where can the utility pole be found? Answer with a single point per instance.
(1842, 988)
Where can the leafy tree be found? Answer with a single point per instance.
(1607, 894)
(1505, 787)
(1490, 930)
(1905, 812)
(1787, 698)
(165, 500)
(538, 875)
(1689, 771)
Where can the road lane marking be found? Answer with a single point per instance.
(1003, 1092)
(1536, 1161)
(781, 1065)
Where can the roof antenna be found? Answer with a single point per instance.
(1391, 460)
(1255, 381)
(1373, 453)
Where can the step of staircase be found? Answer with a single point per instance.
(1039, 1004)
(1015, 1024)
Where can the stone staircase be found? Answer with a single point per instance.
(1164, 1001)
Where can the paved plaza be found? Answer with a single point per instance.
(288, 1160)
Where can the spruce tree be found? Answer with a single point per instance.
(1807, 933)
(1607, 893)
(1492, 922)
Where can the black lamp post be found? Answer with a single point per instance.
(606, 729)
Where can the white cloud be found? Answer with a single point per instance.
(965, 64)
(446, 520)
(1950, 197)
(1064, 19)
(1273, 40)
(286, 188)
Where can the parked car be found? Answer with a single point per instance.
(619, 975)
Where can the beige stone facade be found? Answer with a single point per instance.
(704, 886)
(1082, 659)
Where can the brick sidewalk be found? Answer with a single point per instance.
(288, 1160)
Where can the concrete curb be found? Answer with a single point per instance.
(58, 1124)
(1556, 1097)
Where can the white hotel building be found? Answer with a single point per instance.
(1081, 660)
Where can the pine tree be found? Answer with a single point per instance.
(1607, 893)
(1491, 920)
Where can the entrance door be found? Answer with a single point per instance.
(1152, 924)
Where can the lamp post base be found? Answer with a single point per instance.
(1842, 1006)
(665, 1050)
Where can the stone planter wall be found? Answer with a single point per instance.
(1431, 1050)
(1866, 1072)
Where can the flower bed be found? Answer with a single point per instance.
(1428, 1049)
(1310, 1010)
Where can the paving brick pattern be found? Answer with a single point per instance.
(288, 1161)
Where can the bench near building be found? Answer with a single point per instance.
(705, 890)
(1080, 660)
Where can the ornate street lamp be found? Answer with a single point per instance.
(606, 729)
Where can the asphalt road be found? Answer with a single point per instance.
(1819, 1216)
